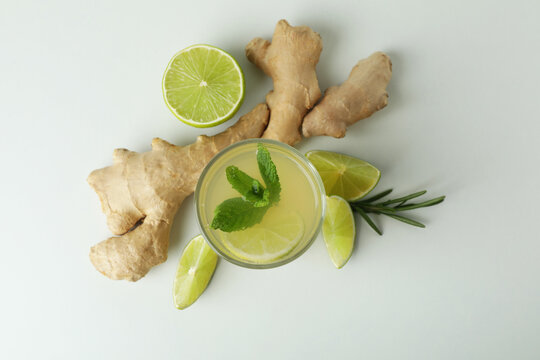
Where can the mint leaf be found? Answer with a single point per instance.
(251, 189)
(237, 214)
(268, 171)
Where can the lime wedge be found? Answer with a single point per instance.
(195, 270)
(343, 175)
(338, 230)
(277, 235)
(203, 86)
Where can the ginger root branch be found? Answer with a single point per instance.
(146, 189)
(363, 93)
(290, 60)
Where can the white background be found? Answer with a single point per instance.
(79, 79)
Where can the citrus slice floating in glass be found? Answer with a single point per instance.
(203, 86)
(343, 175)
(195, 269)
(274, 237)
(338, 230)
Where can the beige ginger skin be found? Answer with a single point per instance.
(363, 93)
(146, 189)
(141, 192)
(290, 60)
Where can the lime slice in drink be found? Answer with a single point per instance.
(195, 270)
(338, 230)
(277, 235)
(343, 175)
(203, 86)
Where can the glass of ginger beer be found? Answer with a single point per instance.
(287, 229)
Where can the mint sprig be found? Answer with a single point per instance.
(251, 189)
(242, 212)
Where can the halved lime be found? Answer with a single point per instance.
(277, 235)
(203, 86)
(343, 175)
(338, 230)
(195, 270)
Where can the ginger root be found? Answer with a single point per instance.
(363, 93)
(146, 189)
(290, 60)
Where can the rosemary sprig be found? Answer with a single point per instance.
(364, 207)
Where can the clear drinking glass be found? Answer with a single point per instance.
(302, 194)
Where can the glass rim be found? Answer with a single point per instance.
(318, 183)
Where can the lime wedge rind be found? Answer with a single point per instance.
(195, 270)
(339, 230)
(344, 175)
